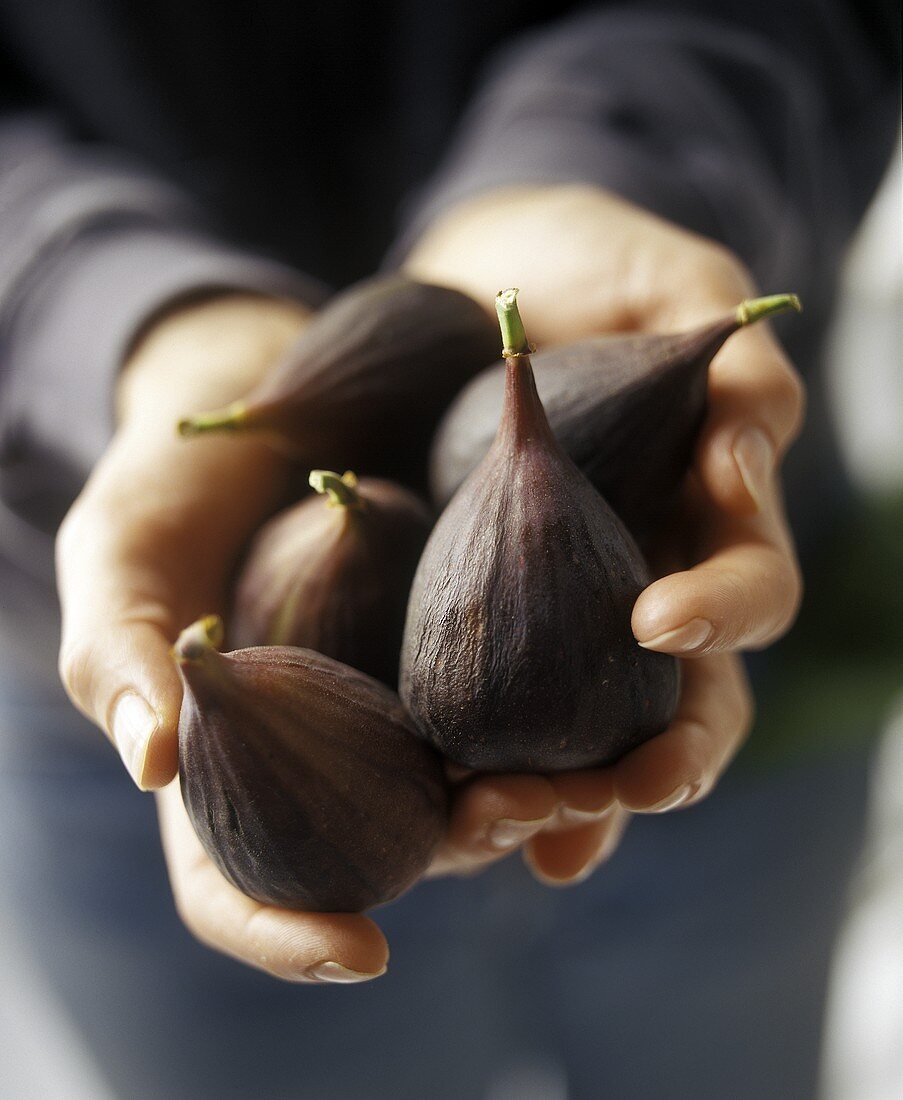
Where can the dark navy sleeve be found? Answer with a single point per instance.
(764, 126)
(92, 247)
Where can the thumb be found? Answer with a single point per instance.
(122, 677)
(114, 657)
(149, 545)
(147, 548)
(118, 626)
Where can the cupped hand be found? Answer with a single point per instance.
(151, 542)
(589, 263)
(149, 546)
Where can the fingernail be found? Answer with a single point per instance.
(508, 833)
(339, 975)
(574, 880)
(754, 455)
(539, 874)
(569, 815)
(607, 850)
(682, 638)
(133, 724)
(673, 800)
(550, 880)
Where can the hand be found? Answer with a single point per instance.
(489, 819)
(590, 263)
(148, 547)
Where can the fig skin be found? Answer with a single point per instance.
(303, 778)
(368, 379)
(518, 653)
(627, 409)
(334, 574)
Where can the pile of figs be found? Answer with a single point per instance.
(376, 636)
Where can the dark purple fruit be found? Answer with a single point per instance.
(367, 381)
(626, 409)
(303, 778)
(518, 653)
(334, 574)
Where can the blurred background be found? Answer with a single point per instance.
(864, 1056)
(41, 1054)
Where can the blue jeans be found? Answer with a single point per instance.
(693, 965)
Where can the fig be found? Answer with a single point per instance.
(367, 381)
(334, 574)
(627, 409)
(303, 778)
(518, 653)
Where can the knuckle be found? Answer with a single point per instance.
(757, 610)
(192, 910)
(69, 532)
(789, 392)
(781, 593)
(746, 710)
(790, 589)
(254, 935)
(151, 613)
(190, 915)
(264, 947)
(736, 610)
(722, 271)
(197, 926)
(75, 665)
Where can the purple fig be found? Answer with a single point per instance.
(303, 778)
(518, 653)
(334, 574)
(367, 381)
(627, 409)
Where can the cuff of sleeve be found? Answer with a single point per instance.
(74, 325)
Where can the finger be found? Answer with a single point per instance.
(585, 796)
(566, 858)
(491, 816)
(756, 410)
(300, 947)
(148, 547)
(756, 400)
(743, 596)
(684, 763)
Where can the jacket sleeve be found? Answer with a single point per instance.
(765, 126)
(92, 246)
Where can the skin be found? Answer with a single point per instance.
(151, 542)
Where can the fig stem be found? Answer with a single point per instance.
(342, 489)
(228, 419)
(199, 639)
(514, 339)
(754, 309)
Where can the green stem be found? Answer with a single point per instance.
(754, 309)
(514, 339)
(342, 489)
(229, 419)
(198, 640)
